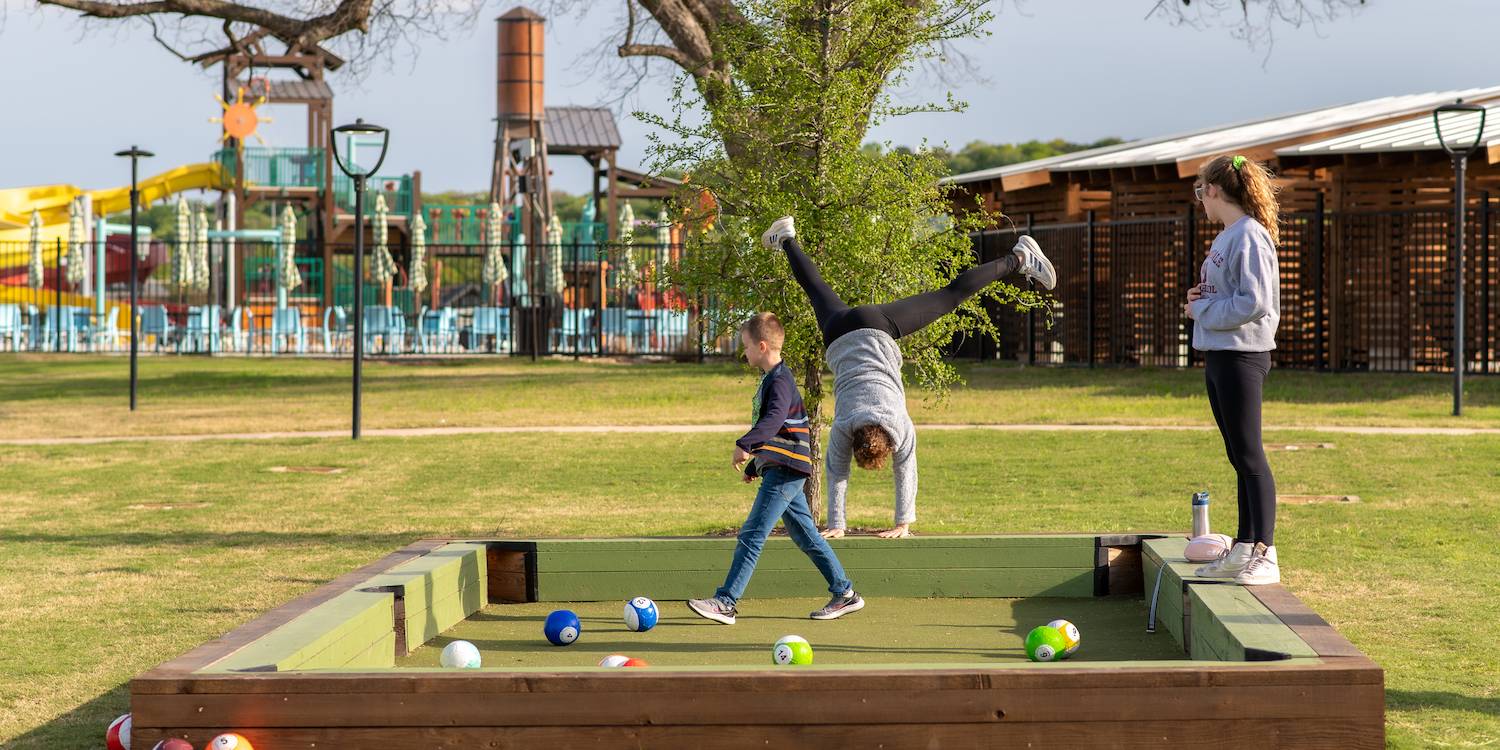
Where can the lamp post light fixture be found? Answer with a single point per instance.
(350, 167)
(1460, 130)
(135, 154)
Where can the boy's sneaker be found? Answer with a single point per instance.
(1229, 564)
(1034, 265)
(1262, 568)
(839, 606)
(714, 608)
(780, 229)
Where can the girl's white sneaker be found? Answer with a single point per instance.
(1230, 564)
(1262, 568)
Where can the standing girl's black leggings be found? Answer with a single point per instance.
(1235, 380)
(900, 318)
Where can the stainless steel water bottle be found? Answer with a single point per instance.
(1200, 513)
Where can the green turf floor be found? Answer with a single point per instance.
(887, 631)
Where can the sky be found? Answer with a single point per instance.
(1074, 69)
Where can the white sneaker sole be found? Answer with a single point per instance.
(715, 616)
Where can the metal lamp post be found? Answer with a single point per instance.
(135, 154)
(1460, 129)
(352, 169)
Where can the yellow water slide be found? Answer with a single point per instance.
(51, 201)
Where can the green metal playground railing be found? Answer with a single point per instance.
(399, 196)
(464, 224)
(276, 167)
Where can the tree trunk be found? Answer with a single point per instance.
(812, 399)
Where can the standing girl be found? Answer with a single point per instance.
(1235, 308)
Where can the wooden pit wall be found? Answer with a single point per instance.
(1335, 701)
(927, 566)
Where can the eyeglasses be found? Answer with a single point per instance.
(1198, 191)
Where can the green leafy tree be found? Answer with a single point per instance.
(773, 123)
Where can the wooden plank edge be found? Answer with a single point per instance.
(236, 639)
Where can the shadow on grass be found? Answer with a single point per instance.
(38, 383)
(1288, 386)
(1414, 700)
(79, 729)
(228, 540)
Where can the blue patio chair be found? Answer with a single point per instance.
(487, 322)
(336, 333)
(286, 323)
(388, 325)
(436, 330)
(107, 331)
(154, 322)
(11, 326)
(203, 329)
(33, 328)
(65, 326)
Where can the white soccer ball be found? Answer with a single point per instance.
(460, 655)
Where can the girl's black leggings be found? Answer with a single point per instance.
(900, 318)
(1235, 380)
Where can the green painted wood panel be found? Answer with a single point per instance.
(362, 616)
(679, 585)
(788, 557)
(1230, 620)
(855, 542)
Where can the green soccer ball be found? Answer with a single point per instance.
(792, 649)
(1045, 643)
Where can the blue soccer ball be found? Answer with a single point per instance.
(562, 627)
(640, 614)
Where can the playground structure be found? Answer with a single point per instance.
(508, 276)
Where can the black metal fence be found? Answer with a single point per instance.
(578, 300)
(1359, 291)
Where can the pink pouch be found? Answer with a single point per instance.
(1207, 548)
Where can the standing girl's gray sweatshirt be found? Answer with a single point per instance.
(1241, 302)
(867, 390)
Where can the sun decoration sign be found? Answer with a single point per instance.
(240, 118)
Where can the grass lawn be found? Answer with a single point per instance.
(102, 582)
(76, 396)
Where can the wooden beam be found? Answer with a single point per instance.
(1025, 180)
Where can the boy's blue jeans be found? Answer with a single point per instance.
(780, 496)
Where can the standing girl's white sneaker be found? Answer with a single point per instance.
(1230, 564)
(1262, 568)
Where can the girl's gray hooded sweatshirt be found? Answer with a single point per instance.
(867, 390)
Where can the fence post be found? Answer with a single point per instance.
(1189, 245)
(1320, 286)
(702, 327)
(1484, 277)
(599, 271)
(57, 316)
(1030, 312)
(1088, 262)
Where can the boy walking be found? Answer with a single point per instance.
(777, 450)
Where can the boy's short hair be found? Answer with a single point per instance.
(765, 327)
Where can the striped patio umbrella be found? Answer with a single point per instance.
(385, 265)
(629, 272)
(291, 278)
(555, 281)
(182, 265)
(77, 239)
(34, 271)
(200, 251)
(663, 243)
(494, 265)
(416, 276)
